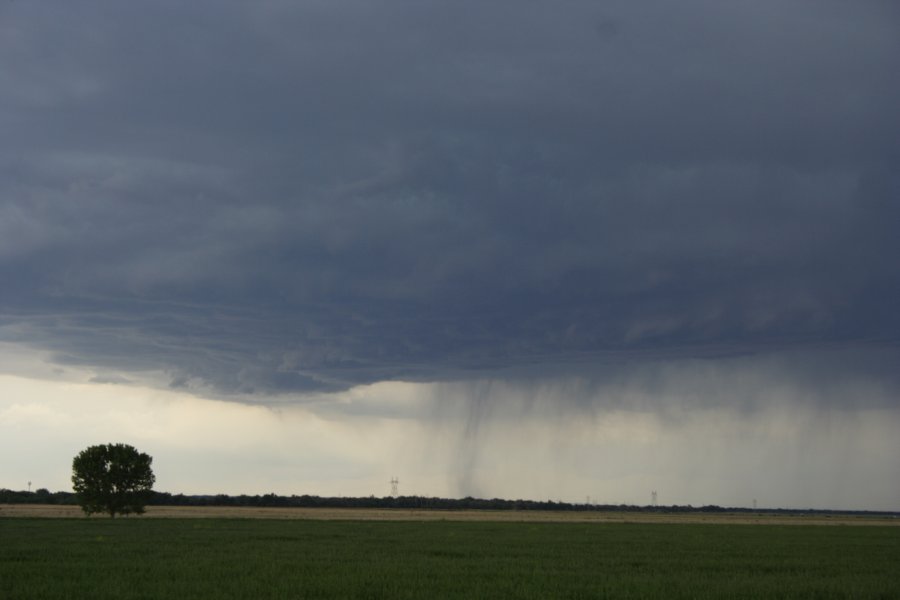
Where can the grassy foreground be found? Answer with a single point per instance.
(213, 558)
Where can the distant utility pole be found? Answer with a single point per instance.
(754, 504)
(653, 498)
(29, 487)
(395, 485)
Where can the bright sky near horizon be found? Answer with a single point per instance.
(523, 250)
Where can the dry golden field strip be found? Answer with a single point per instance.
(375, 514)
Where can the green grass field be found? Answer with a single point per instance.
(213, 558)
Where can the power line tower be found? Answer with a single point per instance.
(653, 499)
(395, 486)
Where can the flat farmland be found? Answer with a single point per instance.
(342, 554)
(530, 516)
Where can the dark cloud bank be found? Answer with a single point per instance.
(304, 196)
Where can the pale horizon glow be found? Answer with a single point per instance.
(424, 434)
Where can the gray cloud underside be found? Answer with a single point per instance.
(305, 196)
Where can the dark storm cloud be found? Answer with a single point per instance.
(308, 195)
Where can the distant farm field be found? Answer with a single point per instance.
(301, 558)
(401, 514)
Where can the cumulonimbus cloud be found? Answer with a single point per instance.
(307, 197)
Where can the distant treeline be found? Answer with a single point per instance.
(43, 496)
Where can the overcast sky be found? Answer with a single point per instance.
(507, 248)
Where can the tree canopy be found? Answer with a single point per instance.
(112, 478)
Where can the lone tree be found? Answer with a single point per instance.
(112, 478)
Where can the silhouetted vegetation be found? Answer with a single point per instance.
(112, 478)
(42, 496)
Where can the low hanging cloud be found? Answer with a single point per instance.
(304, 198)
(655, 429)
